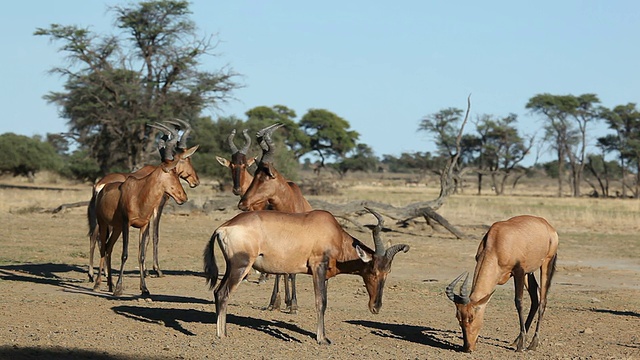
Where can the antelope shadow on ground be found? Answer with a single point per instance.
(11, 352)
(172, 318)
(416, 334)
(618, 312)
(48, 274)
(422, 335)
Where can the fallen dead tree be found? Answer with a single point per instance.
(402, 215)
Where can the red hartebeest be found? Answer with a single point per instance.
(270, 188)
(172, 145)
(296, 243)
(516, 247)
(134, 202)
(239, 164)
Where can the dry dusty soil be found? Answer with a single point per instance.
(49, 311)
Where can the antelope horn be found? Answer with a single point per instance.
(234, 148)
(186, 130)
(393, 250)
(268, 130)
(167, 141)
(464, 293)
(463, 298)
(377, 241)
(247, 143)
(264, 138)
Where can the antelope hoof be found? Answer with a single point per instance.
(519, 343)
(159, 273)
(145, 293)
(90, 278)
(534, 344)
(96, 287)
(275, 305)
(324, 341)
(291, 309)
(263, 278)
(118, 291)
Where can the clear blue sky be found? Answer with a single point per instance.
(382, 66)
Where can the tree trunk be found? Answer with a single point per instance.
(560, 170)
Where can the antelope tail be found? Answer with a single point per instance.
(552, 269)
(210, 267)
(91, 215)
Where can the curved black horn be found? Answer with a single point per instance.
(464, 292)
(234, 148)
(264, 138)
(186, 130)
(393, 250)
(463, 298)
(168, 140)
(247, 142)
(377, 241)
(269, 129)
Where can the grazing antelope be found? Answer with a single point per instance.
(172, 145)
(239, 164)
(516, 247)
(296, 243)
(134, 202)
(270, 188)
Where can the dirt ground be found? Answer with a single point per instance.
(48, 309)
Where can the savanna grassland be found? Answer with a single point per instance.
(48, 309)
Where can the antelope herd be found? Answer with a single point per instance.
(277, 232)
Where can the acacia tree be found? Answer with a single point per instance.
(625, 121)
(444, 126)
(501, 147)
(567, 118)
(451, 143)
(601, 169)
(117, 85)
(329, 134)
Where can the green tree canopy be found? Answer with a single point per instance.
(290, 134)
(362, 159)
(25, 156)
(117, 85)
(329, 134)
(444, 126)
(502, 148)
(566, 119)
(625, 121)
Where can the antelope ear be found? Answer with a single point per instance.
(168, 166)
(269, 170)
(224, 162)
(189, 152)
(364, 256)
